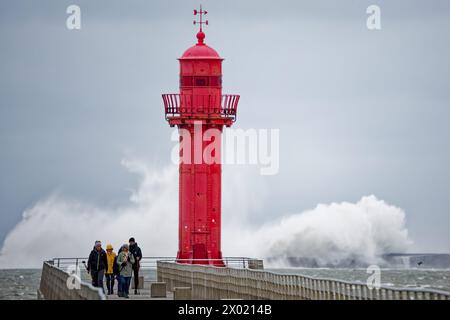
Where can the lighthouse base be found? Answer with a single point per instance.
(200, 256)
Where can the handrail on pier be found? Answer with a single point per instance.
(150, 262)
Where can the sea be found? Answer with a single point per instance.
(22, 284)
(437, 279)
(19, 284)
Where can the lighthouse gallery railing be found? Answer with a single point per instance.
(181, 104)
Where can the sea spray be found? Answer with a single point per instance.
(338, 234)
(60, 227)
(329, 234)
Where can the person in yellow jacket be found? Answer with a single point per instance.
(110, 255)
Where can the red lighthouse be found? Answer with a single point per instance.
(199, 109)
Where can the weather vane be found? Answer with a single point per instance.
(201, 13)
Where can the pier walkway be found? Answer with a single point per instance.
(59, 274)
(241, 278)
(144, 294)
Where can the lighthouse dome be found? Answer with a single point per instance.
(200, 50)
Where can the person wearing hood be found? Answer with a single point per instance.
(125, 260)
(137, 254)
(97, 265)
(110, 255)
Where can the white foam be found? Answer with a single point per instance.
(62, 227)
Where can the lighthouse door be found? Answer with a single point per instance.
(199, 252)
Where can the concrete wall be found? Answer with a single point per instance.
(54, 286)
(208, 282)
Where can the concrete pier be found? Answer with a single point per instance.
(185, 281)
(57, 284)
(158, 290)
(209, 282)
(146, 294)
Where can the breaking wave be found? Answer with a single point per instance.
(330, 234)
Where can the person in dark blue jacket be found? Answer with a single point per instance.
(137, 253)
(97, 265)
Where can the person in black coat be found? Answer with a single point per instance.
(137, 253)
(97, 265)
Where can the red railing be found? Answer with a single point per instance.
(181, 104)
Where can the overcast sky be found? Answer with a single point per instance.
(360, 112)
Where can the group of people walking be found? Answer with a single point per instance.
(121, 266)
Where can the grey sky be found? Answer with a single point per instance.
(360, 112)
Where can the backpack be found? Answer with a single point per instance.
(116, 267)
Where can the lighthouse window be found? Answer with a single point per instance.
(189, 81)
(201, 81)
(186, 81)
